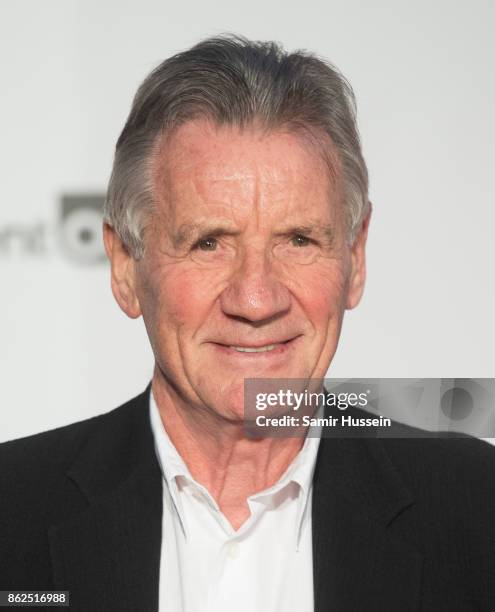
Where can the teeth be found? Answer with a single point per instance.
(261, 349)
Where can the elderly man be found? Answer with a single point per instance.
(236, 224)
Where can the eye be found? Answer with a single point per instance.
(206, 244)
(300, 241)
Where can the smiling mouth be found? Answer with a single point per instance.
(262, 348)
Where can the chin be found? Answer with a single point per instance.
(233, 412)
(227, 401)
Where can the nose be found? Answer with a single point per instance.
(254, 292)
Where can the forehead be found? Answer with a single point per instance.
(201, 164)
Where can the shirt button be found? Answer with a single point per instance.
(233, 550)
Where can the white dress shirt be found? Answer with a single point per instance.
(207, 566)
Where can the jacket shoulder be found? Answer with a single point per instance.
(34, 460)
(37, 491)
(452, 459)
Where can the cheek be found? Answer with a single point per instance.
(321, 292)
(176, 299)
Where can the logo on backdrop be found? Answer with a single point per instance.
(76, 234)
(80, 233)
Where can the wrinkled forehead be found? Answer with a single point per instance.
(205, 164)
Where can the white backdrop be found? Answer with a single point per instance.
(423, 73)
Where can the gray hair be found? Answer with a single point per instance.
(233, 81)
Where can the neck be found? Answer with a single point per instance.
(218, 454)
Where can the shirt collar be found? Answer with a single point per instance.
(299, 471)
(171, 463)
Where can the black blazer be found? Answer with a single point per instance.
(398, 524)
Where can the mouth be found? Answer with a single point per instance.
(261, 349)
(269, 347)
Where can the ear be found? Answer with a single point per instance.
(123, 267)
(358, 265)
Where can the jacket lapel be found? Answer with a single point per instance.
(359, 562)
(108, 555)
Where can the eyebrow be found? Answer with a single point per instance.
(189, 232)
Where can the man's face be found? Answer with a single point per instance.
(246, 271)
